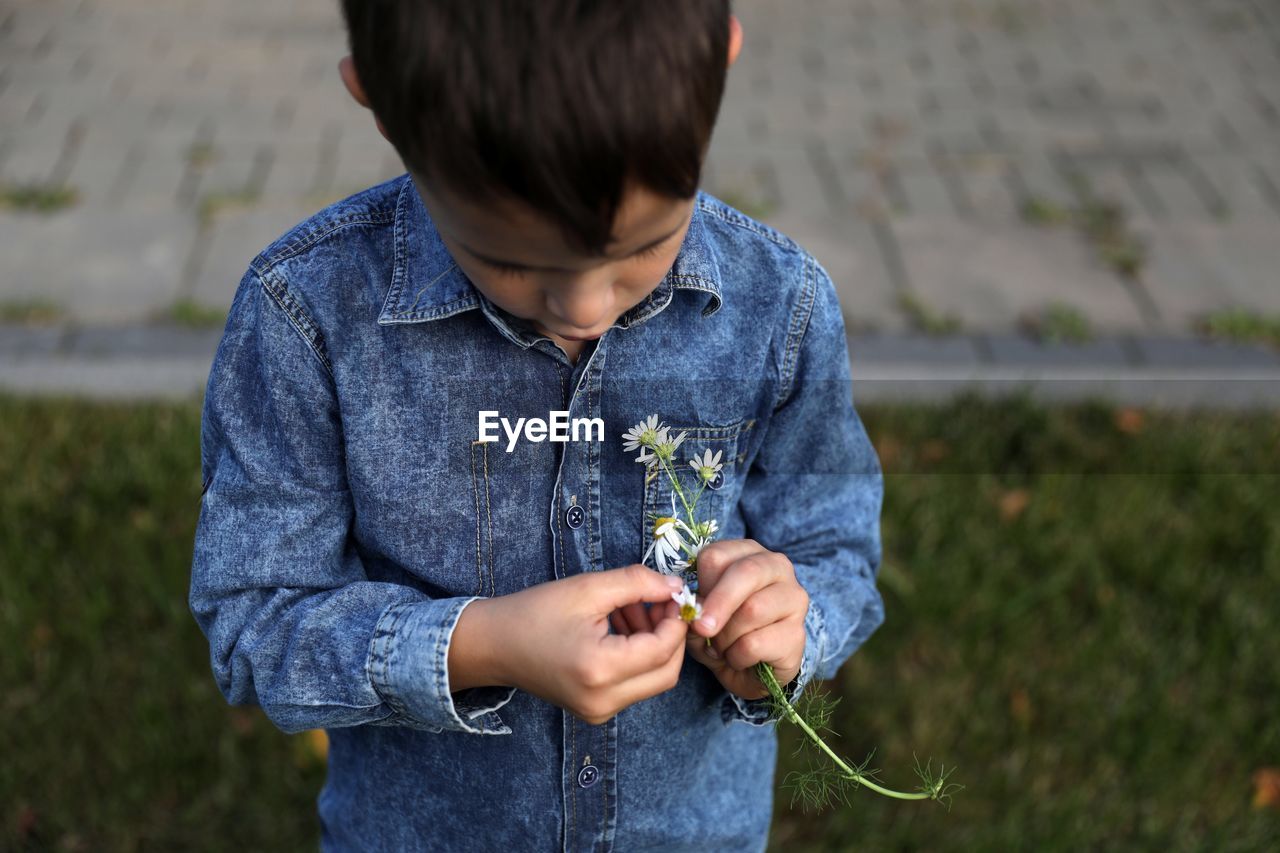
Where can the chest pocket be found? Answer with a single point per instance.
(719, 495)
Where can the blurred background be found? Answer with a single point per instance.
(1055, 228)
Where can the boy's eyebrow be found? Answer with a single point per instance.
(501, 263)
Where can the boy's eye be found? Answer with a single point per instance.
(514, 271)
(504, 269)
(652, 250)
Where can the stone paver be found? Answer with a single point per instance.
(172, 362)
(899, 141)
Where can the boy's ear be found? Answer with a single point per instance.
(735, 38)
(347, 70)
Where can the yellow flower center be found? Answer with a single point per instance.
(661, 521)
(688, 613)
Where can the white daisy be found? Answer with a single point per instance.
(690, 559)
(667, 540)
(690, 609)
(707, 465)
(665, 446)
(643, 434)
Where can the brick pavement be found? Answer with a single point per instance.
(902, 141)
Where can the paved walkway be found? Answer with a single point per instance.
(168, 361)
(967, 167)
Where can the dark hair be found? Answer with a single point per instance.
(555, 103)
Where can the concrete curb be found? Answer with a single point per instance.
(172, 362)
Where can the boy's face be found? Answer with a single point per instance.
(520, 262)
(570, 297)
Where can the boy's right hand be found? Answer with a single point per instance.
(553, 641)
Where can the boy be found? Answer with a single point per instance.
(466, 618)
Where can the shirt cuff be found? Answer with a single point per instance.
(408, 667)
(756, 711)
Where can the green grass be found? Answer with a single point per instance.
(211, 204)
(1081, 618)
(201, 154)
(1241, 324)
(1059, 322)
(753, 205)
(1102, 223)
(925, 318)
(37, 197)
(31, 312)
(188, 312)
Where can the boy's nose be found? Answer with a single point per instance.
(586, 308)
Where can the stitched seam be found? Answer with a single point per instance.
(611, 759)
(297, 317)
(653, 308)
(796, 331)
(710, 285)
(418, 296)
(374, 657)
(604, 785)
(655, 488)
(734, 218)
(475, 491)
(708, 433)
(573, 744)
(488, 511)
(384, 662)
(592, 450)
(296, 247)
(457, 306)
(573, 785)
(439, 665)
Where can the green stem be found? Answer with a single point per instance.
(765, 672)
(675, 484)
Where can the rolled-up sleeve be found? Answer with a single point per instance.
(814, 491)
(293, 621)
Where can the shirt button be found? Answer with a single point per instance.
(588, 775)
(574, 516)
(716, 482)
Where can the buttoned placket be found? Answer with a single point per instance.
(589, 780)
(589, 770)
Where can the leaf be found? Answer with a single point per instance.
(1012, 503)
(934, 450)
(310, 748)
(1130, 421)
(243, 720)
(1020, 706)
(1266, 788)
(318, 743)
(889, 450)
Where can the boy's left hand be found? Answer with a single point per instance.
(753, 608)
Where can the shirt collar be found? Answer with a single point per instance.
(426, 283)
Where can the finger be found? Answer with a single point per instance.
(739, 582)
(616, 588)
(766, 606)
(619, 623)
(715, 558)
(636, 617)
(774, 644)
(640, 652)
(648, 684)
(706, 655)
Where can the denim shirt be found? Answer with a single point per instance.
(350, 512)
